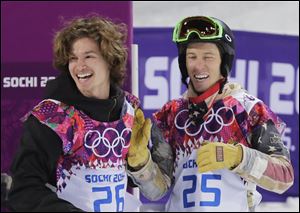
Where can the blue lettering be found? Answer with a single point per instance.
(106, 178)
(190, 164)
(94, 178)
(118, 177)
(88, 178)
(97, 178)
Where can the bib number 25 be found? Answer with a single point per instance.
(203, 189)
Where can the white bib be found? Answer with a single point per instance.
(221, 190)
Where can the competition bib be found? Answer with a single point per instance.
(102, 190)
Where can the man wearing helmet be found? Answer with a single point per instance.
(224, 140)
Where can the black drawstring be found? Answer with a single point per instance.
(222, 84)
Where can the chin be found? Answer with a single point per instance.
(201, 89)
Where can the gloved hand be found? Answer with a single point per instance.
(138, 153)
(216, 155)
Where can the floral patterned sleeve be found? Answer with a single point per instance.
(267, 163)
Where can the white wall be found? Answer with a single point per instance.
(280, 17)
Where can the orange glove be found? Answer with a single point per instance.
(217, 155)
(138, 153)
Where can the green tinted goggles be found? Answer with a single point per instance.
(205, 27)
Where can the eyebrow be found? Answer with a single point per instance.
(90, 51)
(209, 53)
(87, 52)
(190, 53)
(205, 53)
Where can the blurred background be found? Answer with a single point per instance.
(279, 17)
(266, 64)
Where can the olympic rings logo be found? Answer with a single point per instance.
(103, 142)
(214, 117)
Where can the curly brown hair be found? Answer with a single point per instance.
(109, 36)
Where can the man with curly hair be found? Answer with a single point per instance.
(76, 140)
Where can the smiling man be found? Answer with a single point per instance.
(76, 140)
(222, 138)
(203, 62)
(88, 69)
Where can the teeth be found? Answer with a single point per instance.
(201, 76)
(84, 75)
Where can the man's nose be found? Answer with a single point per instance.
(81, 65)
(200, 63)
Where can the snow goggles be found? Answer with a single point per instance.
(206, 28)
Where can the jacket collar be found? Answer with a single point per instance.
(64, 89)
